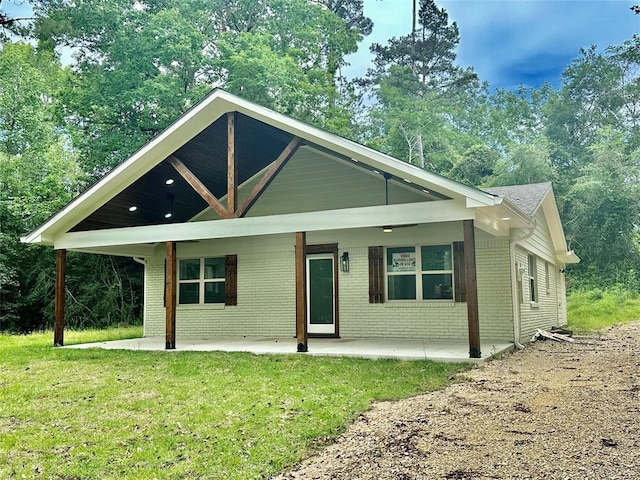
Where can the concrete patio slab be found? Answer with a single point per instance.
(407, 349)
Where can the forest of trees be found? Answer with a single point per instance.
(137, 65)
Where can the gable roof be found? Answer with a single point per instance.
(527, 198)
(532, 198)
(185, 135)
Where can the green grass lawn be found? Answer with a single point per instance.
(593, 310)
(96, 414)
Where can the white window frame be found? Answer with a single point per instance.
(201, 281)
(547, 277)
(419, 273)
(534, 291)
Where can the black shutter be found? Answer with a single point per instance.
(231, 280)
(460, 284)
(376, 275)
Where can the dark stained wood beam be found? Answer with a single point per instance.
(301, 291)
(473, 319)
(170, 283)
(61, 270)
(268, 177)
(232, 167)
(200, 188)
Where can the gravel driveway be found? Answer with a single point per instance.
(553, 411)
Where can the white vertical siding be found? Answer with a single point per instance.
(543, 313)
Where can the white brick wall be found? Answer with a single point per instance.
(266, 301)
(494, 289)
(359, 318)
(266, 290)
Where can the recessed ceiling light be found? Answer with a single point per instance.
(506, 219)
(169, 181)
(168, 215)
(133, 208)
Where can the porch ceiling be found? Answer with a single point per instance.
(257, 145)
(314, 179)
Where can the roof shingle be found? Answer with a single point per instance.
(526, 197)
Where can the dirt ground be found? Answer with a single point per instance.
(552, 411)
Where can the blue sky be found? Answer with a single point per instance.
(512, 42)
(508, 42)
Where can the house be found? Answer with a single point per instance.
(251, 223)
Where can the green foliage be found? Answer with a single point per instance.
(138, 65)
(130, 414)
(606, 195)
(591, 310)
(283, 54)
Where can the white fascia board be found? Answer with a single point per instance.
(37, 239)
(378, 216)
(552, 215)
(140, 251)
(568, 256)
(500, 219)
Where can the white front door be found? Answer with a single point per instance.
(321, 295)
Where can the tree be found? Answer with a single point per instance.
(428, 52)
(37, 174)
(419, 90)
(12, 26)
(602, 209)
(283, 54)
(523, 164)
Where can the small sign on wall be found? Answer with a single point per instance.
(403, 262)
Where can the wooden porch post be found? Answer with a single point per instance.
(472, 289)
(170, 296)
(232, 165)
(61, 270)
(301, 291)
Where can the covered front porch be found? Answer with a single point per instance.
(405, 349)
(226, 208)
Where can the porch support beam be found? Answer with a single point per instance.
(473, 319)
(61, 270)
(170, 296)
(200, 188)
(232, 167)
(301, 291)
(273, 170)
(327, 220)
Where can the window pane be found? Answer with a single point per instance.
(533, 279)
(189, 293)
(436, 257)
(214, 268)
(190, 269)
(437, 286)
(401, 287)
(214, 292)
(401, 259)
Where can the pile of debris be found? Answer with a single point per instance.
(554, 333)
